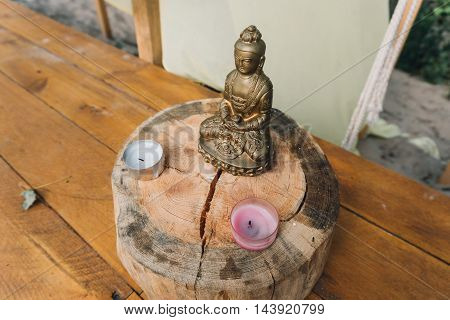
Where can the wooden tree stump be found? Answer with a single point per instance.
(174, 233)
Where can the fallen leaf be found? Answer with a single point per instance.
(427, 145)
(382, 129)
(29, 197)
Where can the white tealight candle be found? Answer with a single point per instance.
(144, 159)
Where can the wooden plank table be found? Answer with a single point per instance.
(68, 102)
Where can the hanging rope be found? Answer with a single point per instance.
(370, 102)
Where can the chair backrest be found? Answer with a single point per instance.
(148, 30)
(147, 25)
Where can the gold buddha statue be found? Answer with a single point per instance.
(237, 138)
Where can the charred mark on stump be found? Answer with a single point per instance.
(321, 182)
(116, 296)
(142, 240)
(133, 228)
(224, 295)
(273, 284)
(275, 258)
(230, 271)
(273, 279)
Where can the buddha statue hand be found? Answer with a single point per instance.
(224, 109)
(236, 118)
(232, 125)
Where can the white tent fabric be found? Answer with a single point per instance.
(308, 43)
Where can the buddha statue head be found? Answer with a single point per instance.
(249, 51)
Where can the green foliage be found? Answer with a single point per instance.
(427, 49)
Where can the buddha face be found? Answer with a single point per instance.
(246, 62)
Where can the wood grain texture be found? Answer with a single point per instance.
(43, 257)
(409, 218)
(134, 296)
(401, 206)
(89, 102)
(397, 270)
(43, 147)
(313, 296)
(148, 30)
(389, 207)
(142, 80)
(173, 254)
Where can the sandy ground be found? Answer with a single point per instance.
(81, 15)
(417, 107)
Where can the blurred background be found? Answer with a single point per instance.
(311, 42)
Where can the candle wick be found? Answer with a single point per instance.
(250, 223)
(141, 159)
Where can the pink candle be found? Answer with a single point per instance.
(254, 224)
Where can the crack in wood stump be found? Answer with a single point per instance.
(273, 279)
(203, 215)
(207, 205)
(175, 168)
(273, 288)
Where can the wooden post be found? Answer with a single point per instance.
(102, 15)
(148, 30)
(174, 234)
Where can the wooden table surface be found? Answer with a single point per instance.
(68, 102)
